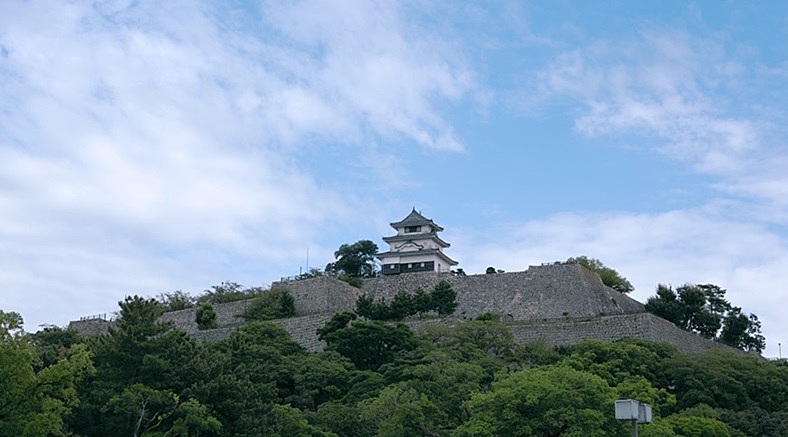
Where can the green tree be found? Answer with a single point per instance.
(147, 407)
(229, 292)
(319, 378)
(368, 345)
(343, 419)
(277, 303)
(355, 260)
(177, 300)
(703, 309)
(698, 421)
(138, 349)
(609, 276)
(755, 421)
(205, 316)
(666, 304)
(193, 419)
(555, 401)
(162, 413)
(742, 331)
(239, 379)
(399, 410)
(488, 344)
(446, 382)
(444, 298)
(34, 402)
(11, 325)
(52, 343)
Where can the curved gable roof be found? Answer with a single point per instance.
(415, 219)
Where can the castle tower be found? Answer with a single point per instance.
(415, 248)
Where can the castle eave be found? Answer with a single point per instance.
(418, 253)
(416, 237)
(415, 219)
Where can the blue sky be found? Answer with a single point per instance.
(147, 147)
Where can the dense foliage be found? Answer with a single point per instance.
(703, 309)
(228, 292)
(277, 303)
(205, 316)
(609, 276)
(146, 378)
(442, 300)
(355, 260)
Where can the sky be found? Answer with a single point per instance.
(148, 147)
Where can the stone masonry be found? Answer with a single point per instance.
(557, 304)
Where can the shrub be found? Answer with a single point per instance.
(277, 303)
(206, 316)
(442, 299)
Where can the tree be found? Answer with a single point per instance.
(400, 410)
(205, 316)
(703, 309)
(368, 345)
(609, 277)
(164, 412)
(444, 298)
(447, 381)
(742, 331)
(51, 343)
(147, 407)
(35, 399)
(138, 349)
(355, 260)
(544, 402)
(229, 292)
(177, 300)
(666, 304)
(10, 325)
(700, 421)
(277, 303)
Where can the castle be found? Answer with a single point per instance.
(559, 304)
(415, 248)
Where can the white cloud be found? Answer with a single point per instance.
(684, 246)
(152, 146)
(664, 85)
(689, 99)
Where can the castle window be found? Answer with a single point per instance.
(412, 229)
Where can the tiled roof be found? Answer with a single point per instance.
(412, 253)
(415, 219)
(416, 237)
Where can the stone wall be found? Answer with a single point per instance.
(226, 316)
(321, 295)
(643, 326)
(539, 293)
(90, 326)
(301, 329)
(557, 304)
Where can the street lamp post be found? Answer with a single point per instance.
(634, 411)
